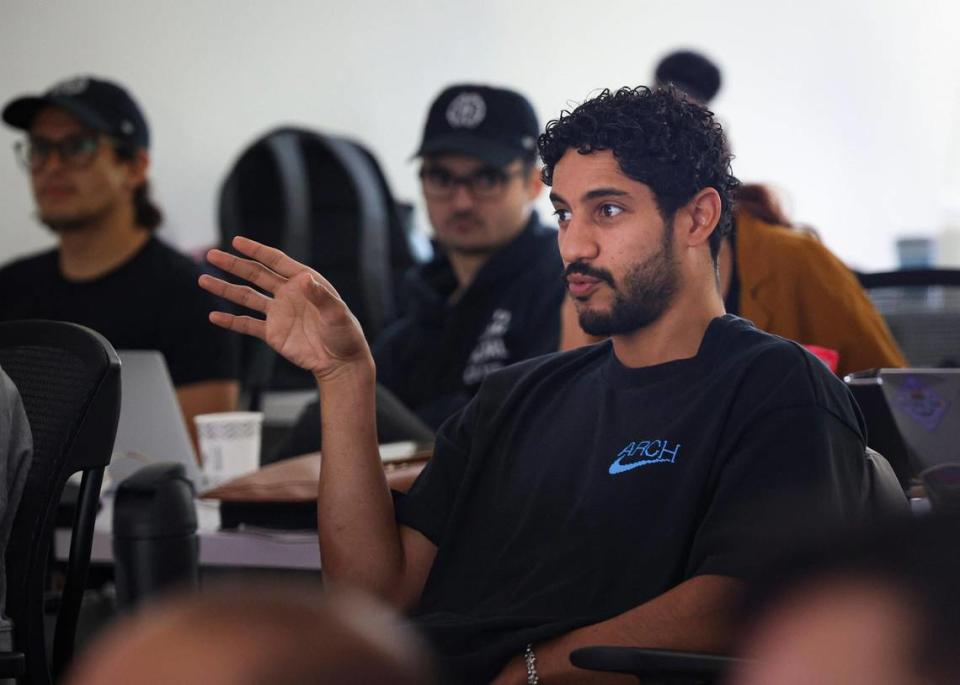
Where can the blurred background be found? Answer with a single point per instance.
(850, 108)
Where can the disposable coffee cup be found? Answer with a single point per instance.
(229, 444)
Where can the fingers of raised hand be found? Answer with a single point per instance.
(240, 324)
(243, 295)
(269, 256)
(247, 269)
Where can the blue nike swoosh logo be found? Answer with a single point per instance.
(618, 467)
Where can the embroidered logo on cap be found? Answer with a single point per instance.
(74, 86)
(467, 110)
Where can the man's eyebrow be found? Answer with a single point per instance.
(591, 195)
(604, 192)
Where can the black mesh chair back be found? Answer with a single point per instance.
(922, 309)
(324, 201)
(69, 379)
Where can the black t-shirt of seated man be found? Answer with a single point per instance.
(150, 302)
(572, 488)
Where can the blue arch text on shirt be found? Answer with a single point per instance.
(655, 451)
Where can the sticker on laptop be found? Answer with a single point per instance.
(918, 401)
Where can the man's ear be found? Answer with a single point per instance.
(137, 169)
(703, 211)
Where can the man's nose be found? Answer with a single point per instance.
(462, 197)
(53, 161)
(577, 242)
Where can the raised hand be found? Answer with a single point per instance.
(305, 320)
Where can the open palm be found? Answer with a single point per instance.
(305, 319)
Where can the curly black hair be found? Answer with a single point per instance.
(659, 138)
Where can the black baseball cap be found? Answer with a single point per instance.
(102, 105)
(495, 125)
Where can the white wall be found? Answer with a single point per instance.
(851, 106)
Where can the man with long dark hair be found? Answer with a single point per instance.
(608, 495)
(87, 154)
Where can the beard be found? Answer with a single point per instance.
(647, 291)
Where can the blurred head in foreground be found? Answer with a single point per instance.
(254, 635)
(881, 609)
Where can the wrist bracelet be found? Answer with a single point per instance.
(530, 658)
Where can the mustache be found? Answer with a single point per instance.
(586, 270)
(464, 216)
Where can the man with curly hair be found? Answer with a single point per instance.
(613, 494)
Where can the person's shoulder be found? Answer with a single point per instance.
(177, 273)
(746, 345)
(159, 252)
(29, 267)
(768, 363)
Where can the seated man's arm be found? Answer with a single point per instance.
(360, 542)
(693, 617)
(306, 321)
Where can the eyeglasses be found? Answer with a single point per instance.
(487, 183)
(75, 152)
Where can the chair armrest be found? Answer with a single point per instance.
(676, 667)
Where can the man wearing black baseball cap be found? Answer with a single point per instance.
(492, 296)
(86, 152)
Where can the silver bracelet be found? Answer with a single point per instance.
(531, 659)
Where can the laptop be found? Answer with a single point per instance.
(151, 428)
(912, 415)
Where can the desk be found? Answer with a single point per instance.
(256, 548)
(246, 548)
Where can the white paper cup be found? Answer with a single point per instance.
(229, 443)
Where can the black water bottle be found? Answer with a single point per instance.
(155, 547)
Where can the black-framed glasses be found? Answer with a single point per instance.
(487, 183)
(75, 151)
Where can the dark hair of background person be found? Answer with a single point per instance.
(691, 73)
(146, 213)
(916, 559)
(659, 138)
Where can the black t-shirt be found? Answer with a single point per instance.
(434, 358)
(572, 488)
(152, 302)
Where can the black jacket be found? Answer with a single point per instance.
(434, 358)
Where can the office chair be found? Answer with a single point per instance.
(883, 498)
(325, 202)
(68, 377)
(922, 309)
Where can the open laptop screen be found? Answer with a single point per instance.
(913, 416)
(151, 427)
